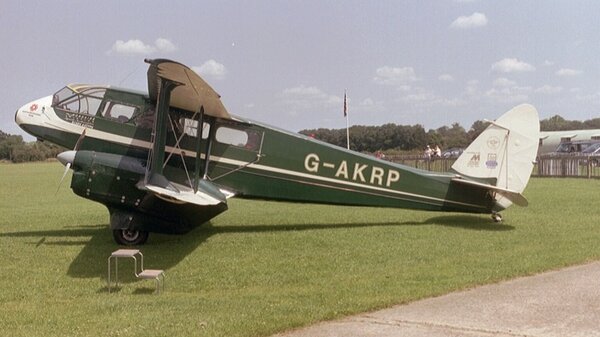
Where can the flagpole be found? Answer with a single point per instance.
(347, 122)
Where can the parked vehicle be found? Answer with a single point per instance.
(593, 151)
(574, 147)
(452, 152)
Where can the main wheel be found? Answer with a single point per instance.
(497, 217)
(130, 237)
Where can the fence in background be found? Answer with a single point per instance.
(567, 166)
(546, 166)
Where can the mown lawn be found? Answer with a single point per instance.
(264, 267)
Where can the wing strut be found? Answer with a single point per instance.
(209, 140)
(160, 131)
(199, 132)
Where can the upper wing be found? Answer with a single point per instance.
(193, 92)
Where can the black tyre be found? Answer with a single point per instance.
(127, 237)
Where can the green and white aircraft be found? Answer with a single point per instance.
(167, 161)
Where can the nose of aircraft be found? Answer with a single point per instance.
(22, 113)
(66, 157)
(33, 114)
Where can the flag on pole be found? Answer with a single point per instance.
(345, 105)
(347, 126)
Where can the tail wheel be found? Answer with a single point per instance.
(497, 217)
(130, 237)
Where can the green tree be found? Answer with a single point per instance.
(7, 145)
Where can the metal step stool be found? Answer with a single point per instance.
(147, 274)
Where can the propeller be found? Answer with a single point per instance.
(66, 158)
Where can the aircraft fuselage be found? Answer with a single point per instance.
(113, 131)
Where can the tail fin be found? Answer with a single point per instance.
(505, 151)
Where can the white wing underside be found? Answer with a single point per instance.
(186, 195)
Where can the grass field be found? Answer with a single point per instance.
(264, 267)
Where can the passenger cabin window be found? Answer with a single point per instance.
(121, 112)
(248, 139)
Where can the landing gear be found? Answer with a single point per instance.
(497, 217)
(130, 237)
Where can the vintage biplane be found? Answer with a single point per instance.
(167, 160)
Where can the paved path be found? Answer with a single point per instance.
(558, 303)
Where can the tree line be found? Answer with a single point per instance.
(390, 138)
(14, 149)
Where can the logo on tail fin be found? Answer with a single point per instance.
(493, 142)
(474, 161)
(491, 162)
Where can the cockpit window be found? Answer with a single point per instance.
(85, 102)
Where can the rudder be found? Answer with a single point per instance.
(505, 150)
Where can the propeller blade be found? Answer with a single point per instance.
(67, 167)
(66, 158)
(79, 140)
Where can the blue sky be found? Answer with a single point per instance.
(287, 63)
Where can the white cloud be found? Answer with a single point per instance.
(419, 97)
(548, 63)
(310, 98)
(138, 47)
(394, 76)
(590, 99)
(368, 105)
(504, 82)
(548, 89)
(164, 45)
(509, 95)
(303, 91)
(211, 68)
(512, 65)
(367, 102)
(131, 47)
(472, 88)
(446, 78)
(473, 21)
(568, 72)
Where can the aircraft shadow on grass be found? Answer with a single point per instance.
(166, 251)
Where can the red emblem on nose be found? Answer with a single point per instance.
(33, 107)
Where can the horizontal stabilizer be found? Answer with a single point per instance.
(514, 196)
